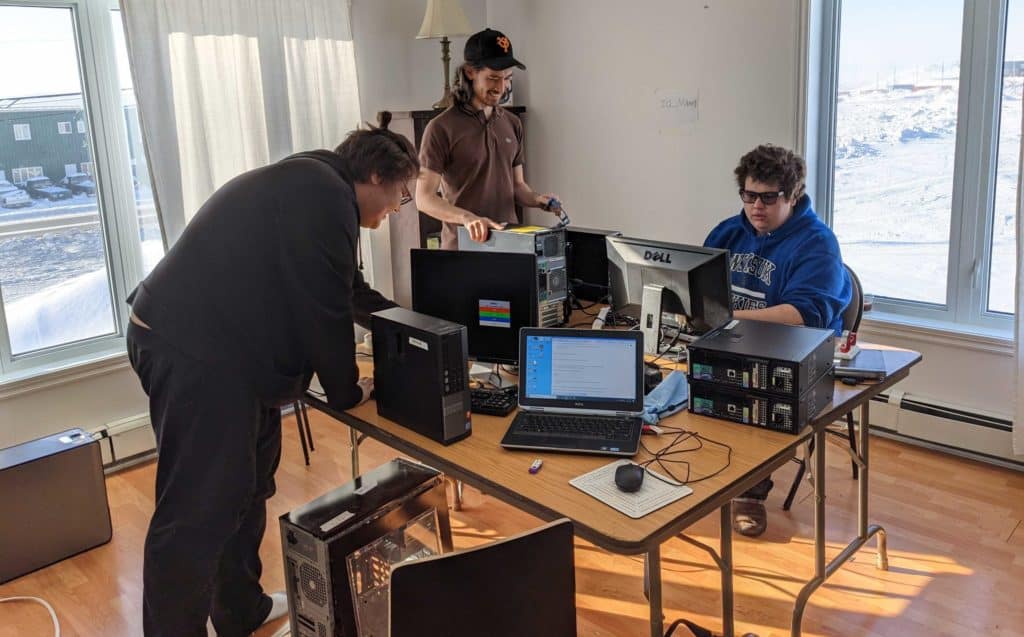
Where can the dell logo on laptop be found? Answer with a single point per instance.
(660, 257)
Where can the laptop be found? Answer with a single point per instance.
(580, 391)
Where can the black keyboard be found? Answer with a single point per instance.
(493, 402)
(593, 427)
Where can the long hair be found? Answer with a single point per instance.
(462, 89)
(375, 150)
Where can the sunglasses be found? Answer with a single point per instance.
(768, 198)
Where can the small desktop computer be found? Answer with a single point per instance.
(548, 246)
(652, 278)
(419, 373)
(764, 374)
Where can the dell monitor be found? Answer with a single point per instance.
(655, 277)
(492, 293)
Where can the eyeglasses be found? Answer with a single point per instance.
(406, 197)
(750, 196)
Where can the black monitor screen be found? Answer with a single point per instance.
(697, 279)
(492, 293)
(588, 262)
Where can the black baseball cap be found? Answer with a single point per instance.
(492, 49)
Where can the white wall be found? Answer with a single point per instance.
(596, 134)
(92, 399)
(397, 72)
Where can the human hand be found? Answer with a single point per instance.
(550, 202)
(366, 384)
(480, 227)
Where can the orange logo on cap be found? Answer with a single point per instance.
(504, 43)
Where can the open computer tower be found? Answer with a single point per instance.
(339, 548)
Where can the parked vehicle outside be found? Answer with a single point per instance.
(43, 188)
(13, 197)
(79, 183)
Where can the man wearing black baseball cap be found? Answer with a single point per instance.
(473, 152)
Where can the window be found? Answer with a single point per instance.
(22, 132)
(925, 100)
(68, 261)
(21, 175)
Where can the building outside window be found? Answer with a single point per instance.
(68, 261)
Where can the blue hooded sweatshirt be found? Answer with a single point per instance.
(800, 264)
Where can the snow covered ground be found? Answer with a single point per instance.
(894, 187)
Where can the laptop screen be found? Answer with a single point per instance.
(581, 366)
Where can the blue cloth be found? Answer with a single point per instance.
(799, 264)
(667, 398)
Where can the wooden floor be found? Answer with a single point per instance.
(956, 550)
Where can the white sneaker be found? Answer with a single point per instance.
(278, 609)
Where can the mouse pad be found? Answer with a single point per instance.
(653, 494)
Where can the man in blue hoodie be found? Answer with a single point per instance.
(786, 268)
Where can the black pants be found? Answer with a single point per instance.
(760, 490)
(218, 448)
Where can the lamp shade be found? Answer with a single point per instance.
(443, 18)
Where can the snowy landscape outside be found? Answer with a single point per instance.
(896, 126)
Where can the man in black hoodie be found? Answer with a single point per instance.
(261, 291)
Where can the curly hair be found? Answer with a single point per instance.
(773, 165)
(375, 150)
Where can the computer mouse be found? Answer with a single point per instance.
(629, 477)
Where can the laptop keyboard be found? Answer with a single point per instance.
(562, 426)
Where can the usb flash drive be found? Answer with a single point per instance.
(535, 467)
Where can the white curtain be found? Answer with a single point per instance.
(225, 86)
(1018, 419)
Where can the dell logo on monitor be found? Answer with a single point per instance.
(660, 257)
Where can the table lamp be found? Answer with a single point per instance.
(442, 19)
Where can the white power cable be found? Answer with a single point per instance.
(53, 614)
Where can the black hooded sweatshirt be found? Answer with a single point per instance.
(264, 280)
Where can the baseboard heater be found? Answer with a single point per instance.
(911, 404)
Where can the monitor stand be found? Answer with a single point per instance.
(487, 374)
(652, 320)
(650, 317)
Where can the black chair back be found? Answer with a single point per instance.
(854, 312)
(524, 585)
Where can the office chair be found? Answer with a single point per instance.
(524, 585)
(305, 434)
(852, 316)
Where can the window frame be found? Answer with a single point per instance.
(26, 132)
(101, 98)
(983, 39)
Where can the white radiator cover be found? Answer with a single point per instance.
(126, 442)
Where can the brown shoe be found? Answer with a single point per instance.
(749, 517)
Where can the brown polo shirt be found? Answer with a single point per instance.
(474, 156)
